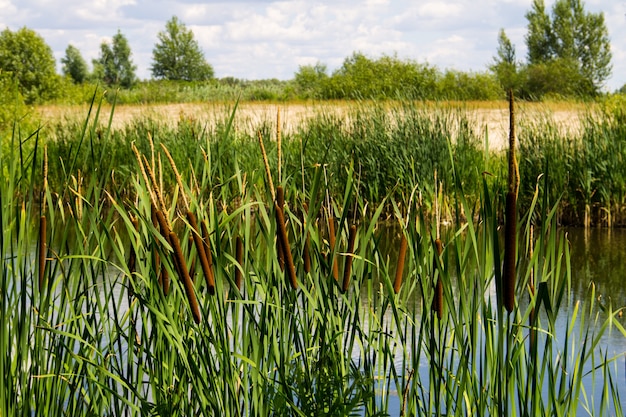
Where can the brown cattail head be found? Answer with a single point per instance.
(397, 283)
(43, 249)
(282, 236)
(438, 296)
(510, 248)
(239, 258)
(183, 273)
(347, 269)
(207, 269)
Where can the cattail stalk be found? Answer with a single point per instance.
(43, 249)
(280, 200)
(282, 236)
(331, 241)
(183, 273)
(531, 290)
(347, 269)
(510, 227)
(239, 258)
(207, 269)
(397, 283)
(206, 240)
(306, 255)
(438, 296)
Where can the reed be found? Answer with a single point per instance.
(183, 273)
(207, 270)
(284, 242)
(347, 268)
(239, 259)
(331, 242)
(510, 231)
(91, 346)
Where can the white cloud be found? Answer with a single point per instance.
(268, 38)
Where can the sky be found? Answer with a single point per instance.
(258, 39)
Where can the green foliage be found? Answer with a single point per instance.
(505, 66)
(177, 55)
(114, 67)
(309, 80)
(26, 56)
(577, 39)
(88, 328)
(385, 77)
(74, 65)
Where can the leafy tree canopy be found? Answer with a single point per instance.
(114, 66)
(576, 38)
(26, 56)
(74, 65)
(177, 55)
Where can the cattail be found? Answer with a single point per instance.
(438, 297)
(132, 256)
(207, 269)
(510, 227)
(280, 200)
(192, 265)
(397, 283)
(184, 276)
(282, 236)
(347, 269)
(510, 246)
(43, 246)
(239, 258)
(331, 241)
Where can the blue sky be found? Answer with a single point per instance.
(254, 39)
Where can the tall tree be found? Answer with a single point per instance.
(576, 38)
(539, 36)
(115, 66)
(177, 55)
(505, 63)
(74, 65)
(26, 56)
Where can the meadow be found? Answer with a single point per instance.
(242, 266)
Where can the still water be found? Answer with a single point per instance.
(598, 261)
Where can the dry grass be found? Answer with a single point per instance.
(492, 115)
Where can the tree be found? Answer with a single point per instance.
(309, 79)
(505, 64)
(539, 37)
(26, 56)
(576, 38)
(74, 65)
(177, 55)
(114, 66)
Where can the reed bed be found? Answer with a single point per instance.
(103, 336)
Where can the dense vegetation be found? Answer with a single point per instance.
(569, 56)
(169, 277)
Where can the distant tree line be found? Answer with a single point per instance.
(568, 56)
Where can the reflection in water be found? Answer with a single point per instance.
(599, 255)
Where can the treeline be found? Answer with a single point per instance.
(568, 56)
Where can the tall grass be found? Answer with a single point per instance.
(103, 336)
